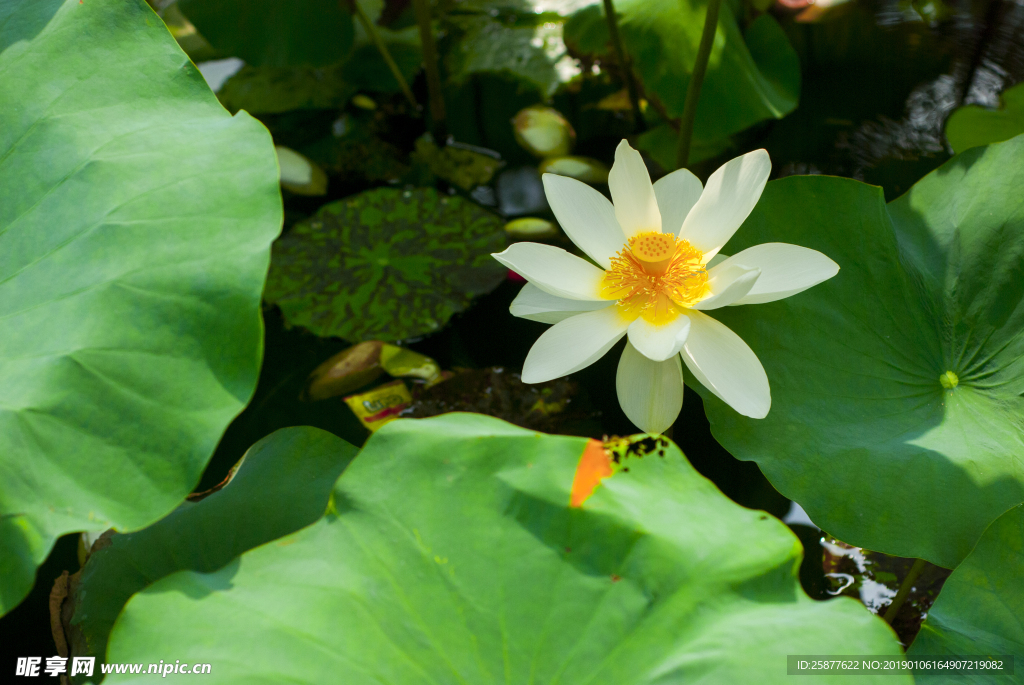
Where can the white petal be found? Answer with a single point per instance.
(650, 393)
(677, 193)
(554, 270)
(728, 198)
(586, 216)
(659, 343)
(636, 207)
(728, 284)
(573, 344)
(785, 270)
(727, 366)
(536, 305)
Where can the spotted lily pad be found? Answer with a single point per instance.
(386, 264)
(897, 386)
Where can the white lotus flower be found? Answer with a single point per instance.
(656, 247)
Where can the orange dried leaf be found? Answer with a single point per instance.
(595, 465)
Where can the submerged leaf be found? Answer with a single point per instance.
(464, 166)
(385, 264)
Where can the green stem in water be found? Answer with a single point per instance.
(371, 31)
(707, 40)
(904, 591)
(627, 69)
(435, 97)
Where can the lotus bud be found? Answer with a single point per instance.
(583, 169)
(346, 371)
(531, 228)
(298, 174)
(543, 132)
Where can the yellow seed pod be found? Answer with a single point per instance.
(654, 250)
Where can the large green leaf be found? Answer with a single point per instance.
(134, 232)
(972, 125)
(750, 77)
(489, 46)
(862, 431)
(386, 264)
(979, 611)
(272, 33)
(453, 556)
(282, 484)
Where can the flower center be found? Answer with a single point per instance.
(655, 276)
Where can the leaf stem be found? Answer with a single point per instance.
(435, 97)
(371, 31)
(627, 69)
(904, 591)
(700, 66)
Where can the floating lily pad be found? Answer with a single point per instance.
(464, 166)
(972, 125)
(385, 264)
(979, 611)
(135, 228)
(282, 484)
(453, 556)
(270, 33)
(897, 386)
(750, 77)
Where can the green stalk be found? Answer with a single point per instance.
(627, 69)
(904, 591)
(435, 98)
(707, 40)
(371, 31)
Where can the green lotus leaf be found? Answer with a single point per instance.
(270, 33)
(972, 125)
(897, 386)
(487, 45)
(979, 610)
(485, 574)
(386, 264)
(135, 231)
(751, 77)
(282, 484)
